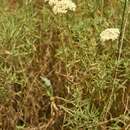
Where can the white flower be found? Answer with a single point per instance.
(61, 6)
(51, 2)
(109, 34)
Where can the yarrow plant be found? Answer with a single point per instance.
(109, 34)
(61, 6)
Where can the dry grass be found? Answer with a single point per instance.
(84, 93)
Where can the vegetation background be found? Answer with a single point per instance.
(55, 74)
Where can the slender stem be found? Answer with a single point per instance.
(120, 41)
(121, 37)
(120, 46)
(102, 8)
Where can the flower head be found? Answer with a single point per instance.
(51, 2)
(61, 6)
(109, 34)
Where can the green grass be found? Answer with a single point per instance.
(54, 71)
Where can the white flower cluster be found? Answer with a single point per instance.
(109, 34)
(61, 6)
